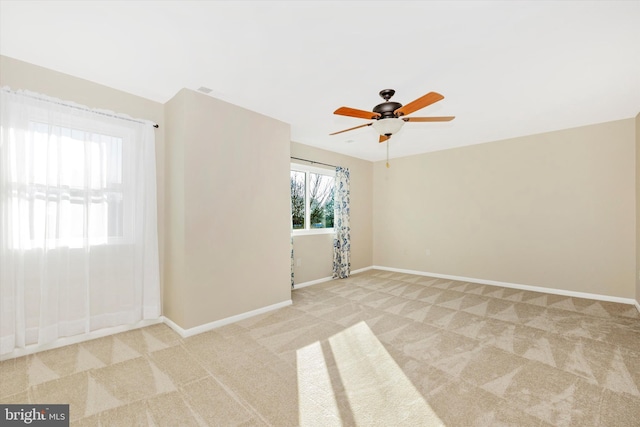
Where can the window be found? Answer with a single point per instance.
(311, 199)
(70, 186)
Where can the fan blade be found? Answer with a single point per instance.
(383, 138)
(419, 103)
(347, 130)
(429, 119)
(352, 112)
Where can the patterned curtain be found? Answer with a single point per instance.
(291, 251)
(291, 260)
(342, 241)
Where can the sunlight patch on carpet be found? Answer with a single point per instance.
(376, 389)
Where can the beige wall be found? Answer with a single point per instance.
(315, 252)
(228, 210)
(554, 210)
(637, 271)
(173, 301)
(22, 75)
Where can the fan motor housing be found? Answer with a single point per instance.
(386, 109)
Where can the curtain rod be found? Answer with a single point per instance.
(155, 125)
(313, 161)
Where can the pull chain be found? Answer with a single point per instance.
(387, 153)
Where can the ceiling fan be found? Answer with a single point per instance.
(388, 117)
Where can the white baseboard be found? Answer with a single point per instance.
(637, 306)
(311, 282)
(185, 333)
(61, 342)
(554, 291)
(362, 270)
(326, 279)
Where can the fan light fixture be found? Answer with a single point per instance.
(388, 126)
(387, 118)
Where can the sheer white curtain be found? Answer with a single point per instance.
(78, 227)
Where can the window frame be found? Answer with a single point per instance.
(306, 169)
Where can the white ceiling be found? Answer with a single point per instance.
(506, 69)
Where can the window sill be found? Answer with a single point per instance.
(313, 231)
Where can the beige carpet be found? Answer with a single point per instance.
(377, 349)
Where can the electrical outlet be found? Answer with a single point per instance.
(427, 252)
(298, 262)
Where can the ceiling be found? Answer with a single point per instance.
(506, 69)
